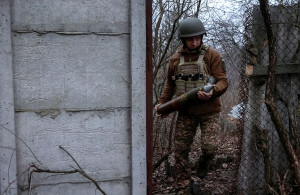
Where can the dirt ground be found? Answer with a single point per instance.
(220, 180)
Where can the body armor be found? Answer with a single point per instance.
(191, 74)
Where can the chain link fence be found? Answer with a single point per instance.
(263, 165)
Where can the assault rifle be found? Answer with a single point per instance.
(184, 99)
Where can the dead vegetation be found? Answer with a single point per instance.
(221, 180)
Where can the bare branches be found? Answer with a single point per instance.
(198, 9)
(157, 26)
(82, 172)
(79, 170)
(70, 156)
(282, 183)
(15, 180)
(262, 138)
(37, 169)
(293, 133)
(23, 143)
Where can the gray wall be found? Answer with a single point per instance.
(78, 74)
(7, 128)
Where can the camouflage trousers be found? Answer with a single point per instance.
(186, 128)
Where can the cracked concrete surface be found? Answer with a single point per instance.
(72, 83)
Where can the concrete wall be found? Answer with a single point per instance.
(79, 82)
(8, 161)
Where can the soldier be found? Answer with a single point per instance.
(191, 66)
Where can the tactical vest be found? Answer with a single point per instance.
(191, 74)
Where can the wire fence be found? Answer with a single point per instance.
(263, 164)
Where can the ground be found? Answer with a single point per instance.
(221, 180)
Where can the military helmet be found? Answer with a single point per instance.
(190, 27)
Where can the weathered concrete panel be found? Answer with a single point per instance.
(77, 15)
(287, 34)
(72, 58)
(138, 97)
(98, 140)
(111, 188)
(70, 72)
(7, 124)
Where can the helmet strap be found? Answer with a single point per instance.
(191, 50)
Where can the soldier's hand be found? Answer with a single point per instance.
(202, 95)
(160, 115)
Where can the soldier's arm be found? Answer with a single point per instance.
(218, 70)
(169, 88)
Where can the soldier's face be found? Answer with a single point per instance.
(193, 42)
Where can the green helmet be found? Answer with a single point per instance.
(190, 27)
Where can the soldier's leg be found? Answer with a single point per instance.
(185, 131)
(210, 128)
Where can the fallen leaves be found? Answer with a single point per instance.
(221, 180)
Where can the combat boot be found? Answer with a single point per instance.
(170, 170)
(205, 163)
(195, 188)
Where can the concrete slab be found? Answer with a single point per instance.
(98, 140)
(71, 72)
(111, 188)
(93, 16)
(8, 184)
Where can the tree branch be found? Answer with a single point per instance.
(262, 141)
(198, 9)
(82, 172)
(155, 41)
(23, 143)
(79, 170)
(174, 27)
